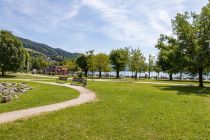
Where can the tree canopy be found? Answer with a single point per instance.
(136, 61)
(102, 63)
(12, 54)
(119, 60)
(194, 30)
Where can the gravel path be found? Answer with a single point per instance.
(85, 96)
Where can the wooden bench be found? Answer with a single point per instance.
(80, 80)
(63, 78)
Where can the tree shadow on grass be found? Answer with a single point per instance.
(7, 76)
(187, 90)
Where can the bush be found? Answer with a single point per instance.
(79, 74)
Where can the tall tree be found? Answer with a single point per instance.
(169, 54)
(150, 64)
(119, 60)
(102, 63)
(82, 63)
(26, 62)
(136, 61)
(11, 52)
(194, 30)
(157, 69)
(91, 61)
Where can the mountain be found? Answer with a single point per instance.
(42, 49)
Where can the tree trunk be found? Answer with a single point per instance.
(86, 73)
(118, 74)
(149, 74)
(200, 71)
(100, 74)
(180, 78)
(158, 76)
(170, 76)
(136, 75)
(92, 76)
(2, 71)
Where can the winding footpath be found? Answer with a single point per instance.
(85, 97)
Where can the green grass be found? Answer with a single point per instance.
(131, 80)
(41, 94)
(22, 76)
(124, 111)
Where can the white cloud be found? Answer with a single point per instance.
(72, 12)
(135, 22)
(119, 26)
(130, 22)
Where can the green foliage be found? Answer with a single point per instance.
(119, 59)
(82, 63)
(12, 54)
(170, 58)
(194, 30)
(79, 74)
(102, 63)
(91, 60)
(150, 64)
(157, 68)
(39, 63)
(70, 64)
(136, 61)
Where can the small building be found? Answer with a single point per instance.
(58, 70)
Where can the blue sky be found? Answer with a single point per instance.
(102, 25)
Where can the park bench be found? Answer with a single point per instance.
(80, 80)
(63, 78)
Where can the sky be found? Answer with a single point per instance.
(102, 25)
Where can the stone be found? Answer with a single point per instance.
(10, 91)
(6, 99)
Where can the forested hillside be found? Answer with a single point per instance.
(54, 53)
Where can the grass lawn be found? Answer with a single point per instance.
(22, 76)
(124, 111)
(207, 83)
(41, 94)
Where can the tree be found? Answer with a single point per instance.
(169, 54)
(119, 60)
(26, 62)
(70, 64)
(157, 69)
(39, 63)
(11, 52)
(102, 63)
(150, 64)
(91, 61)
(136, 61)
(82, 63)
(194, 29)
